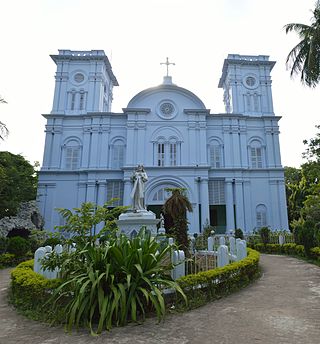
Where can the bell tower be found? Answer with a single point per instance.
(84, 82)
(246, 82)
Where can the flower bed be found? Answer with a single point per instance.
(213, 284)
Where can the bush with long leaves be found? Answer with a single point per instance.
(116, 282)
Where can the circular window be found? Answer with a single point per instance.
(250, 81)
(167, 109)
(79, 77)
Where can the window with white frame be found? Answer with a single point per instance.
(118, 154)
(261, 216)
(115, 190)
(215, 154)
(216, 192)
(72, 152)
(173, 154)
(166, 152)
(160, 156)
(161, 195)
(81, 103)
(73, 101)
(256, 154)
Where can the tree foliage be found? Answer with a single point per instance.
(176, 206)
(304, 58)
(18, 182)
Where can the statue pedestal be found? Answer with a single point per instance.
(130, 223)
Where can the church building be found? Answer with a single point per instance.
(228, 163)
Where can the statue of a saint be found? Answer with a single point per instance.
(139, 179)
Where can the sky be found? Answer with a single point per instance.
(197, 35)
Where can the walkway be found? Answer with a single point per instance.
(283, 307)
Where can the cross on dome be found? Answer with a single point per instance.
(167, 63)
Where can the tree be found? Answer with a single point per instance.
(18, 182)
(304, 58)
(3, 129)
(176, 207)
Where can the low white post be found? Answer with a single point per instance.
(223, 256)
(222, 240)
(281, 239)
(232, 242)
(179, 268)
(39, 254)
(241, 250)
(210, 243)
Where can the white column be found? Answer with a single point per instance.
(239, 205)
(270, 148)
(126, 192)
(204, 200)
(283, 205)
(229, 206)
(249, 212)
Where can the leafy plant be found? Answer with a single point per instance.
(265, 235)
(116, 282)
(176, 207)
(238, 233)
(18, 246)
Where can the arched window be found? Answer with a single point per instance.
(72, 154)
(215, 154)
(118, 154)
(256, 154)
(261, 215)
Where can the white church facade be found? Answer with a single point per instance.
(228, 163)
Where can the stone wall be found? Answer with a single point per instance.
(28, 217)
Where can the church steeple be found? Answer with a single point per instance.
(246, 82)
(84, 82)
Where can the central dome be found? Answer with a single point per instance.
(166, 91)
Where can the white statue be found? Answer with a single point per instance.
(139, 178)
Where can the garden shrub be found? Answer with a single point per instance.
(315, 253)
(238, 234)
(51, 242)
(3, 244)
(7, 259)
(18, 246)
(212, 284)
(29, 290)
(265, 234)
(115, 282)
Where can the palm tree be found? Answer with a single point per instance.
(3, 129)
(176, 207)
(304, 58)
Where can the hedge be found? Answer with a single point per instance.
(289, 249)
(210, 285)
(30, 290)
(9, 260)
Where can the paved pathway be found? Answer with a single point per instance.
(283, 307)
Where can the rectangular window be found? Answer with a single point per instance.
(173, 154)
(216, 192)
(115, 190)
(261, 219)
(118, 156)
(256, 158)
(215, 156)
(73, 101)
(72, 158)
(81, 104)
(160, 154)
